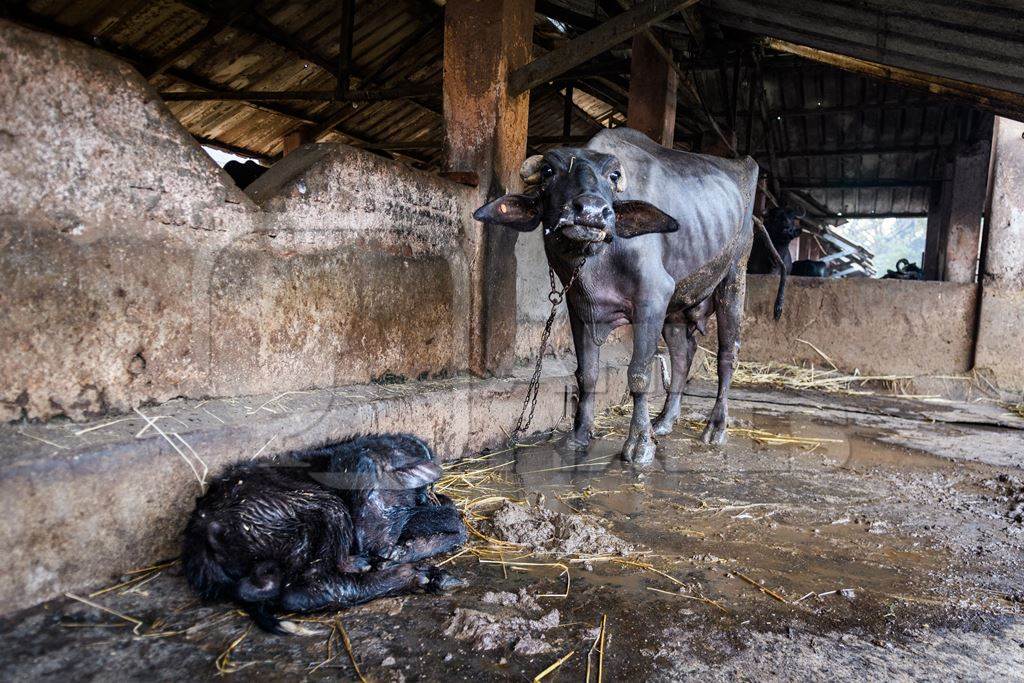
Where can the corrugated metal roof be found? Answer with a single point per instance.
(855, 145)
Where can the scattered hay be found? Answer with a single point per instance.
(609, 425)
(786, 376)
(558, 663)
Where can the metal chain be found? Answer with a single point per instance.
(556, 296)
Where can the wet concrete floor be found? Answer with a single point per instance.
(843, 555)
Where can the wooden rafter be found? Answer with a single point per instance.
(592, 43)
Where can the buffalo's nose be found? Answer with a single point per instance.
(589, 209)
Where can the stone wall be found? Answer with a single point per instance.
(134, 271)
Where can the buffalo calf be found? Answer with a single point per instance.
(289, 533)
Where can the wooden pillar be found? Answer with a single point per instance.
(962, 239)
(652, 93)
(485, 142)
(938, 210)
(999, 346)
(294, 140)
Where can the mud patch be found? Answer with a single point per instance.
(546, 531)
(488, 631)
(1009, 491)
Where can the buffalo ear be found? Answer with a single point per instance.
(517, 211)
(634, 218)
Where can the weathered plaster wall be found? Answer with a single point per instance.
(880, 327)
(134, 271)
(1000, 347)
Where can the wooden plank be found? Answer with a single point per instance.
(346, 30)
(998, 101)
(592, 43)
(805, 184)
(306, 95)
(996, 79)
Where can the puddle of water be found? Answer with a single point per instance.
(804, 520)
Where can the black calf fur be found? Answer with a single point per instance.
(325, 528)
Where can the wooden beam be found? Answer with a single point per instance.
(567, 109)
(998, 101)
(891, 214)
(832, 153)
(304, 95)
(803, 184)
(592, 43)
(211, 29)
(345, 32)
(566, 16)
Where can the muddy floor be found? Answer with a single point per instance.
(855, 547)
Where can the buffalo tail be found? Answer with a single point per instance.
(762, 232)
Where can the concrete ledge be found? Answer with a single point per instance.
(86, 502)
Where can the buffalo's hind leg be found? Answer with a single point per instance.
(333, 590)
(681, 347)
(728, 297)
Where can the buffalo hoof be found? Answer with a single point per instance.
(640, 449)
(442, 581)
(573, 442)
(663, 426)
(714, 434)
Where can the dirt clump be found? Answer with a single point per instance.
(489, 631)
(1009, 490)
(508, 599)
(546, 531)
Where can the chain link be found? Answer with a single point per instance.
(556, 296)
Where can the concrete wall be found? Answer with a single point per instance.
(134, 271)
(879, 327)
(1000, 348)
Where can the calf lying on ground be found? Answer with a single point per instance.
(325, 528)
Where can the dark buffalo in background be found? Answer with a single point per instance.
(279, 534)
(905, 270)
(245, 174)
(810, 268)
(660, 240)
(783, 226)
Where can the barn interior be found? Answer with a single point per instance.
(163, 319)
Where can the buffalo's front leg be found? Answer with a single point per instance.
(430, 530)
(681, 347)
(639, 446)
(588, 357)
(729, 296)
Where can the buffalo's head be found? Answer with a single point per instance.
(572, 192)
(783, 223)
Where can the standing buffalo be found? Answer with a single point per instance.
(783, 226)
(659, 238)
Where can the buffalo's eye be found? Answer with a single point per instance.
(614, 176)
(546, 171)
